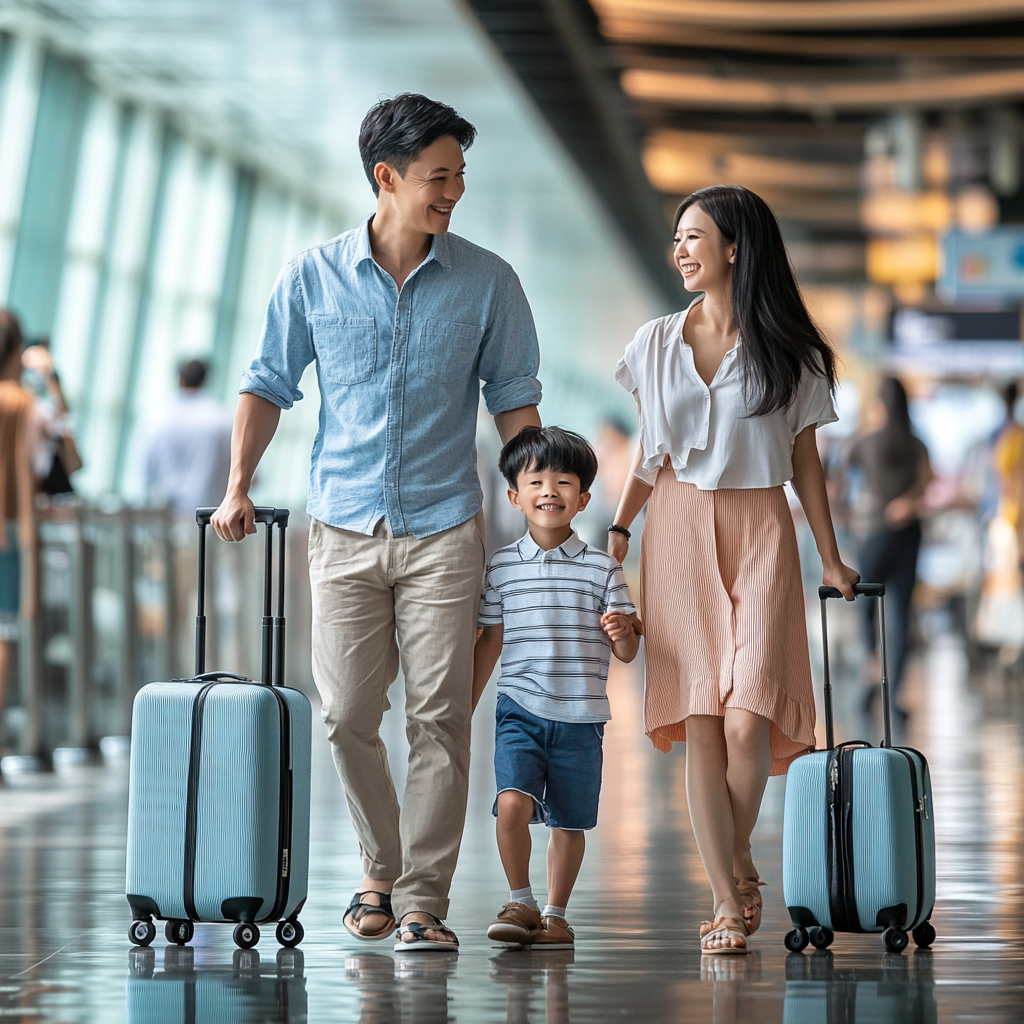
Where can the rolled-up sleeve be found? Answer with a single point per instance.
(510, 354)
(285, 348)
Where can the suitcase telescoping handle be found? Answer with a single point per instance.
(273, 625)
(860, 590)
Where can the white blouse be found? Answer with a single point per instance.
(704, 430)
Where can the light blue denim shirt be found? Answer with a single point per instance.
(399, 376)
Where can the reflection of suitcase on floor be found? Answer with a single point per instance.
(858, 842)
(218, 805)
(238, 994)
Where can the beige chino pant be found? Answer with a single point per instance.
(378, 600)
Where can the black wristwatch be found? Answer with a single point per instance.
(615, 528)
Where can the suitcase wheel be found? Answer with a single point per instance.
(289, 933)
(924, 934)
(796, 940)
(179, 932)
(141, 933)
(246, 935)
(821, 938)
(895, 939)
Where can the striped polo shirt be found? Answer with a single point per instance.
(554, 656)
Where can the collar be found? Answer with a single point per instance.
(529, 549)
(439, 247)
(676, 330)
(676, 334)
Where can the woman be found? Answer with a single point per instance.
(729, 393)
(887, 519)
(17, 488)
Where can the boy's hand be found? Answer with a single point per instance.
(616, 625)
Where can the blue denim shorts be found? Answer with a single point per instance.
(557, 763)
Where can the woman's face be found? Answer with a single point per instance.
(703, 256)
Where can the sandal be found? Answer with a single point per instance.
(724, 928)
(357, 910)
(750, 892)
(418, 931)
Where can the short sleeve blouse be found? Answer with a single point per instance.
(705, 430)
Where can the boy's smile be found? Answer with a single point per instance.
(549, 498)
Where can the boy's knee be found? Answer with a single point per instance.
(567, 837)
(514, 808)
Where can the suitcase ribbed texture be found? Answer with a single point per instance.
(161, 727)
(884, 842)
(804, 839)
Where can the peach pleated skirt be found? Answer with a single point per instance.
(723, 611)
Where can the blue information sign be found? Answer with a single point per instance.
(988, 265)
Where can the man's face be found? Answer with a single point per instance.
(428, 191)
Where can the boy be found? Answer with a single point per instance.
(559, 607)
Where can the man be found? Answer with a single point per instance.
(403, 321)
(188, 450)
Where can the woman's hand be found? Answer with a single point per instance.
(901, 512)
(618, 546)
(842, 577)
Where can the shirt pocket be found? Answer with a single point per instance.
(346, 347)
(447, 350)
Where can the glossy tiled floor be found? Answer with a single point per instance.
(64, 955)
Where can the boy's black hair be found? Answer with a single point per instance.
(396, 131)
(537, 448)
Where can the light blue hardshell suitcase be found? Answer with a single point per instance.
(858, 844)
(218, 798)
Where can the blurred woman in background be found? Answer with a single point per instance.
(895, 471)
(17, 487)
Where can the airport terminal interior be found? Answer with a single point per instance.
(160, 161)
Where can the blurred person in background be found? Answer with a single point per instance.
(1008, 461)
(55, 455)
(17, 489)
(1000, 617)
(188, 449)
(894, 471)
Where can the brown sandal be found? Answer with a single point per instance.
(750, 892)
(724, 928)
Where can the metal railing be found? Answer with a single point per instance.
(115, 610)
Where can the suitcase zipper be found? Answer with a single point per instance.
(192, 802)
(284, 833)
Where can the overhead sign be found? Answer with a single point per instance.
(988, 265)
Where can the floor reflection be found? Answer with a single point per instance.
(636, 909)
(247, 990)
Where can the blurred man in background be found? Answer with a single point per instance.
(188, 450)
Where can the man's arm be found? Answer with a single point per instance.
(510, 423)
(256, 421)
(485, 657)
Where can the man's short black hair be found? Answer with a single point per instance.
(193, 373)
(396, 131)
(538, 448)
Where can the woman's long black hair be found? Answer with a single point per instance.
(780, 341)
(897, 435)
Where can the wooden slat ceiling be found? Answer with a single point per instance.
(777, 95)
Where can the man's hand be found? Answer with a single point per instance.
(235, 517)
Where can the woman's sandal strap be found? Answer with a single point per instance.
(734, 925)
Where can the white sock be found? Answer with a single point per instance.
(524, 896)
(550, 911)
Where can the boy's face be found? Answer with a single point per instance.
(549, 497)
